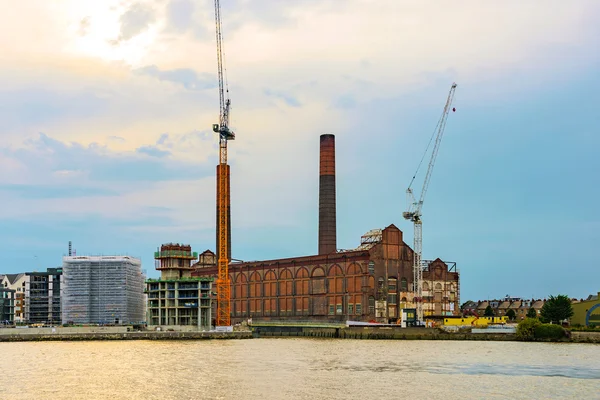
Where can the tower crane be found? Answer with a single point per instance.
(414, 207)
(223, 235)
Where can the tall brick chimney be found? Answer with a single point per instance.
(327, 222)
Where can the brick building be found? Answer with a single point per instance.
(370, 283)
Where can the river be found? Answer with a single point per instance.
(298, 368)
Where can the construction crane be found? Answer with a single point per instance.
(223, 235)
(414, 207)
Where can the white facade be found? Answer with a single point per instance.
(102, 290)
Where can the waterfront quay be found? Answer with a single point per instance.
(111, 333)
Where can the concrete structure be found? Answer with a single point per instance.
(43, 297)
(7, 306)
(363, 284)
(587, 312)
(102, 290)
(327, 217)
(177, 298)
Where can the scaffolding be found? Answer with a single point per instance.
(102, 290)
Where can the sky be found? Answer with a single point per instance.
(106, 111)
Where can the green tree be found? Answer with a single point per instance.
(511, 314)
(531, 313)
(526, 328)
(557, 309)
(489, 312)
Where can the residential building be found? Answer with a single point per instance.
(7, 306)
(16, 282)
(177, 298)
(102, 290)
(43, 297)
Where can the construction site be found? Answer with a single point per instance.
(383, 280)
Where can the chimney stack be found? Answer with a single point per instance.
(327, 222)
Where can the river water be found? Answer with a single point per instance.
(298, 368)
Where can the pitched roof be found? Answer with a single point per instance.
(12, 278)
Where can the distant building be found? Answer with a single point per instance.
(102, 290)
(177, 298)
(587, 312)
(16, 282)
(43, 297)
(7, 306)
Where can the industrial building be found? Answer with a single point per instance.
(102, 290)
(372, 282)
(177, 298)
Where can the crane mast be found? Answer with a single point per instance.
(222, 128)
(414, 207)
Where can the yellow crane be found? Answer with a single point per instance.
(223, 234)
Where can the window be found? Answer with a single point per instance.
(339, 309)
(403, 285)
(392, 298)
(371, 305)
(350, 309)
(371, 267)
(331, 309)
(358, 308)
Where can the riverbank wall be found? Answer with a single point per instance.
(113, 333)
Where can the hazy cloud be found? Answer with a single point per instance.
(136, 20)
(152, 151)
(186, 77)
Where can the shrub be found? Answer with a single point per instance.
(549, 331)
(526, 328)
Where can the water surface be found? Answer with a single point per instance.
(299, 368)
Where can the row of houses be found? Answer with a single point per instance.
(586, 311)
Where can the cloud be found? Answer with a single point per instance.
(288, 99)
(43, 191)
(186, 77)
(135, 20)
(84, 26)
(152, 151)
(180, 15)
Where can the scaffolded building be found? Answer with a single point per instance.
(177, 298)
(102, 290)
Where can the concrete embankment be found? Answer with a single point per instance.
(374, 333)
(21, 336)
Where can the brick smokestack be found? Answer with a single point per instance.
(327, 222)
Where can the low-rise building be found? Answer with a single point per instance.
(587, 312)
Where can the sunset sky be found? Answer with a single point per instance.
(105, 130)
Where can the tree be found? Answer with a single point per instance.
(488, 312)
(531, 313)
(511, 314)
(557, 309)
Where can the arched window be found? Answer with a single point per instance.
(438, 286)
(425, 286)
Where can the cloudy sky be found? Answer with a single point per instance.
(105, 130)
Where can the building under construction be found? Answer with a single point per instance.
(372, 282)
(102, 290)
(177, 298)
